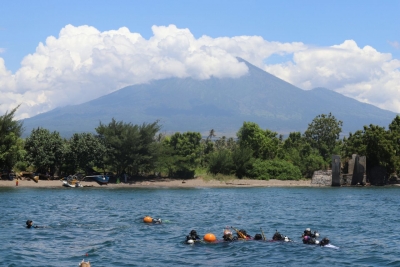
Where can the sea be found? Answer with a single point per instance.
(105, 226)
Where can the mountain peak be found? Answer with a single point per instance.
(219, 104)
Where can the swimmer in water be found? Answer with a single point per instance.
(324, 242)
(228, 236)
(308, 232)
(279, 237)
(193, 236)
(29, 224)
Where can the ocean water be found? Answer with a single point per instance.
(104, 226)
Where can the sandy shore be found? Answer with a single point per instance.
(188, 183)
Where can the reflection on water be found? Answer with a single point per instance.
(105, 226)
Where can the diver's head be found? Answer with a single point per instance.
(29, 223)
(325, 241)
(307, 231)
(193, 232)
(277, 236)
(258, 237)
(227, 232)
(157, 221)
(243, 232)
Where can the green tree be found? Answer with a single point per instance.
(394, 135)
(263, 143)
(44, 150)
(185, 149)
(11, 145)
(130, 148)
(221, 162)
(85, 152)
(379, 147)
(323, 134)
(242, 158)
(298, 151)
(374, 142)
(354, 144)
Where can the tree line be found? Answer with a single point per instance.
(124, 148)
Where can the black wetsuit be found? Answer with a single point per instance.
(278, 237)
(229, 238)
(192, 236)
(310, 234)
(309, 240)
(324, 242)
(33, 226)
(157, 221)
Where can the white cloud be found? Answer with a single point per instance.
(361, 73)
(83, 63)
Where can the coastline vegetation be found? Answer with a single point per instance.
(122, 149)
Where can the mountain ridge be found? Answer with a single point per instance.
(220, 104)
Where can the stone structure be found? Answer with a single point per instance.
(357, 166)
(345, 179)
(355, 176)
(322, 178)
(335, 170)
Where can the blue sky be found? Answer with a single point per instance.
(306, 27)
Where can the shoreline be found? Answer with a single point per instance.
(166, 183)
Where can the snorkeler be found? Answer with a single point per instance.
(308, 232)
(228, 236)
(29, 224)
(243, 234)
(310, 240)
(324, 242)
(193, 236)
(258, 237)
(157, 221)
(148, 219)
(279, 237)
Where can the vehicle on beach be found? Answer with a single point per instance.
(7, 174)
(68, 184)
(72, 181)
(100, 179)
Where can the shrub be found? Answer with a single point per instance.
(220, 162)
(274, 169)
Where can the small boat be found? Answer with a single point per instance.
(72, 181)
(100, 179)
(67, 184)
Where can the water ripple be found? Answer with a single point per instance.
(105, 226)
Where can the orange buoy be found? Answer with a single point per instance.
(148, 219)
(209, 237)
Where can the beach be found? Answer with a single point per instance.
(166, 182)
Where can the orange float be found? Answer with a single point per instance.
(209, 237)
(147, 219)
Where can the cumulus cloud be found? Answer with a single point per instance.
(361, 73)
(83, 63)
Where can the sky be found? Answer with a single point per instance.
(55, 53)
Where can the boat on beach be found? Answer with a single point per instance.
(100, 179)
(72, 181)
(67, 184)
